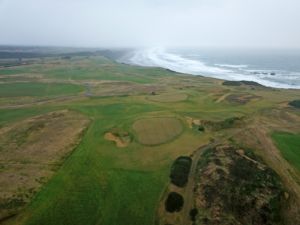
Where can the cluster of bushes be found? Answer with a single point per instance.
(219, 125)
(295, 103)
(180, 171)
(200, 128)
(248, 192)
(193, 214)
(252, 83)
(232, 83)
(250, 181)
(239, 83)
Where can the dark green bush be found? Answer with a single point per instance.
(232, 83)
(180, 171)
(174, 202)
(193, 214)
(295, 103)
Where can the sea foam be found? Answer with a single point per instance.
(160, 57)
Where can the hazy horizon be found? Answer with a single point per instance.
(141, 23)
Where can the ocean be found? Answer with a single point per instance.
(272, 68)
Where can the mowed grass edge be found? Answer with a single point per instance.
(289, 146)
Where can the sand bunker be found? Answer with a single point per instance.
(193, 122)
(120, 141)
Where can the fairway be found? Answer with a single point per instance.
(37, 89)
(155, 131)
(289, 146)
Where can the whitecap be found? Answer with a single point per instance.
(159, 57)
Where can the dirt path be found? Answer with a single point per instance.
(222, 97)
(183, 216)
(189, 189)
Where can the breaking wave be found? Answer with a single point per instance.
(159, 57)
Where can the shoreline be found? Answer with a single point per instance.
(255, 83)
(279, 78)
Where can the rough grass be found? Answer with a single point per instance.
(10, 115)
(34, 146)
(91, 188)
(154, 131)
(168, 97)
(289, 146)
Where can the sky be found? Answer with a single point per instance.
(149, 23)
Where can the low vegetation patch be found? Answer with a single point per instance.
(180, 171)
(232, 83)
(236, 187)
(241, 98)
(31, 150)
(295, 103)
(168, 97)
(174, 202)
(223, 124)
(239, 83)
(154, 131)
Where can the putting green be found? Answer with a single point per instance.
(155, 131)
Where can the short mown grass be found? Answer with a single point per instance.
(37, 89)
(154, 131)
(289, 146)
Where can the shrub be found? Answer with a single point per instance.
(295, 103)
(193, 214)
(174, 202)
(180, 171)
(232, 83)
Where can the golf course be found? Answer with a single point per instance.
(85, 140)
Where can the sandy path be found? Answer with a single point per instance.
(222, 98)
(189, 189)
(183, 216)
